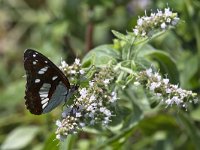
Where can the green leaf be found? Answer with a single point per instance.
(10, 96)
(117, 140)
(195, 114)
(150, 125)
(51, 143)
(190, 128)
(189, 75)
(100, 56)
(120, 35)
(166, 63)
(68, 143)
(20, 137)
(83, 144)
(137, 114)
(122, 113)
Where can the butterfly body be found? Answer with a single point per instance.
(46, 85)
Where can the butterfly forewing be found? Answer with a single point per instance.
(46, 85)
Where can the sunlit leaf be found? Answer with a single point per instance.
(100, 56)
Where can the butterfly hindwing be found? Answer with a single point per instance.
(46, 85)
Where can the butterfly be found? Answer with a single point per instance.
(46, 85)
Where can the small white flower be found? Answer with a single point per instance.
(136, 31)
(163, 25)
(143, 33)
(94, 105)
(106, 81)
(147, 19)
(107, 112)
(82, 124)
(189, 92)
(158, 94)
(64, 114)
(168, 12)
(168, 90)
(90, 108)
(58, 136)
(173, 100)
(183, 95)
(113, 97)
(184, 106)
(158, 77)
(102, 109)
(176, 100)
(78, 114)
(175, 87)
(83, 92)
(149, 72)
(77, 61)
(64, 64)
(154, 85)
(159, 13)
(175, 21)
(181, 91)
(100, 103)
(82, 71)
(92, 98)
(73, 71)
(166, 81)
(91, 83)
(113, 93)
(139, 22)
(106, 120)
(169, 102)
(168, 20)
(58, 123)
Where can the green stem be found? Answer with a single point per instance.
(131, 46)
(127, 70)
(125, 134)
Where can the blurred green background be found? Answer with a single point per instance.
(69, 29)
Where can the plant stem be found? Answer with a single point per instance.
(131, 46)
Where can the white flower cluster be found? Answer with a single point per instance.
(171, 94)
(160, 20)
(66, 125)
(93, 105)
(73, 71)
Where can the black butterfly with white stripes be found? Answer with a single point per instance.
(46, 85)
